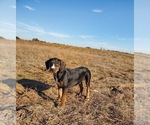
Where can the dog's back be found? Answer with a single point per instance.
(71, 77)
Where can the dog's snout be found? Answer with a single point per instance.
(47, 70)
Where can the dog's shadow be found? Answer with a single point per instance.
(38, 86)
(10, 82)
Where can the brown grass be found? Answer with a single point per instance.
(37, 91)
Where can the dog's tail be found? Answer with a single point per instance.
(88, 78)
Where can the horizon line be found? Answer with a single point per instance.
(100, 48)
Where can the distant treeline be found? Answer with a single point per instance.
(34, 39)
(2, 37)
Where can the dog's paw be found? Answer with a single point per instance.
(59, 106)
(87, 98)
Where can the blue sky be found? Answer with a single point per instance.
(8, 19)
(94, 23)
(142, 26)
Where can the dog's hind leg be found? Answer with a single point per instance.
(87, 80)
(81, 88)
(87, 92)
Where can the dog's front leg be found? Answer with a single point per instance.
(63, 98)
(59, 93)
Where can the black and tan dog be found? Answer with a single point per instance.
(66, 78)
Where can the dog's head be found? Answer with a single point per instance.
(54, 65)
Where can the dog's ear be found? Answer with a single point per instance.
(47, 64)
(62, 65)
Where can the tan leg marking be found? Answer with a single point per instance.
(63, 98)
(88, 93)
(59, 93)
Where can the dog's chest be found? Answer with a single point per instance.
(57, 81)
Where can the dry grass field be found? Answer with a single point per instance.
(142, 89)
(7, 82)
(112, 86)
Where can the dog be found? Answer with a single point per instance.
(65, 78)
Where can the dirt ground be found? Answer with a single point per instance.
(112, 86)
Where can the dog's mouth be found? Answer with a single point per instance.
(51, 70)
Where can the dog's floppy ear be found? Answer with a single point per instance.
(47, 64)
(62, 65)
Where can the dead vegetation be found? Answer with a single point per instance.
(112, 86)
